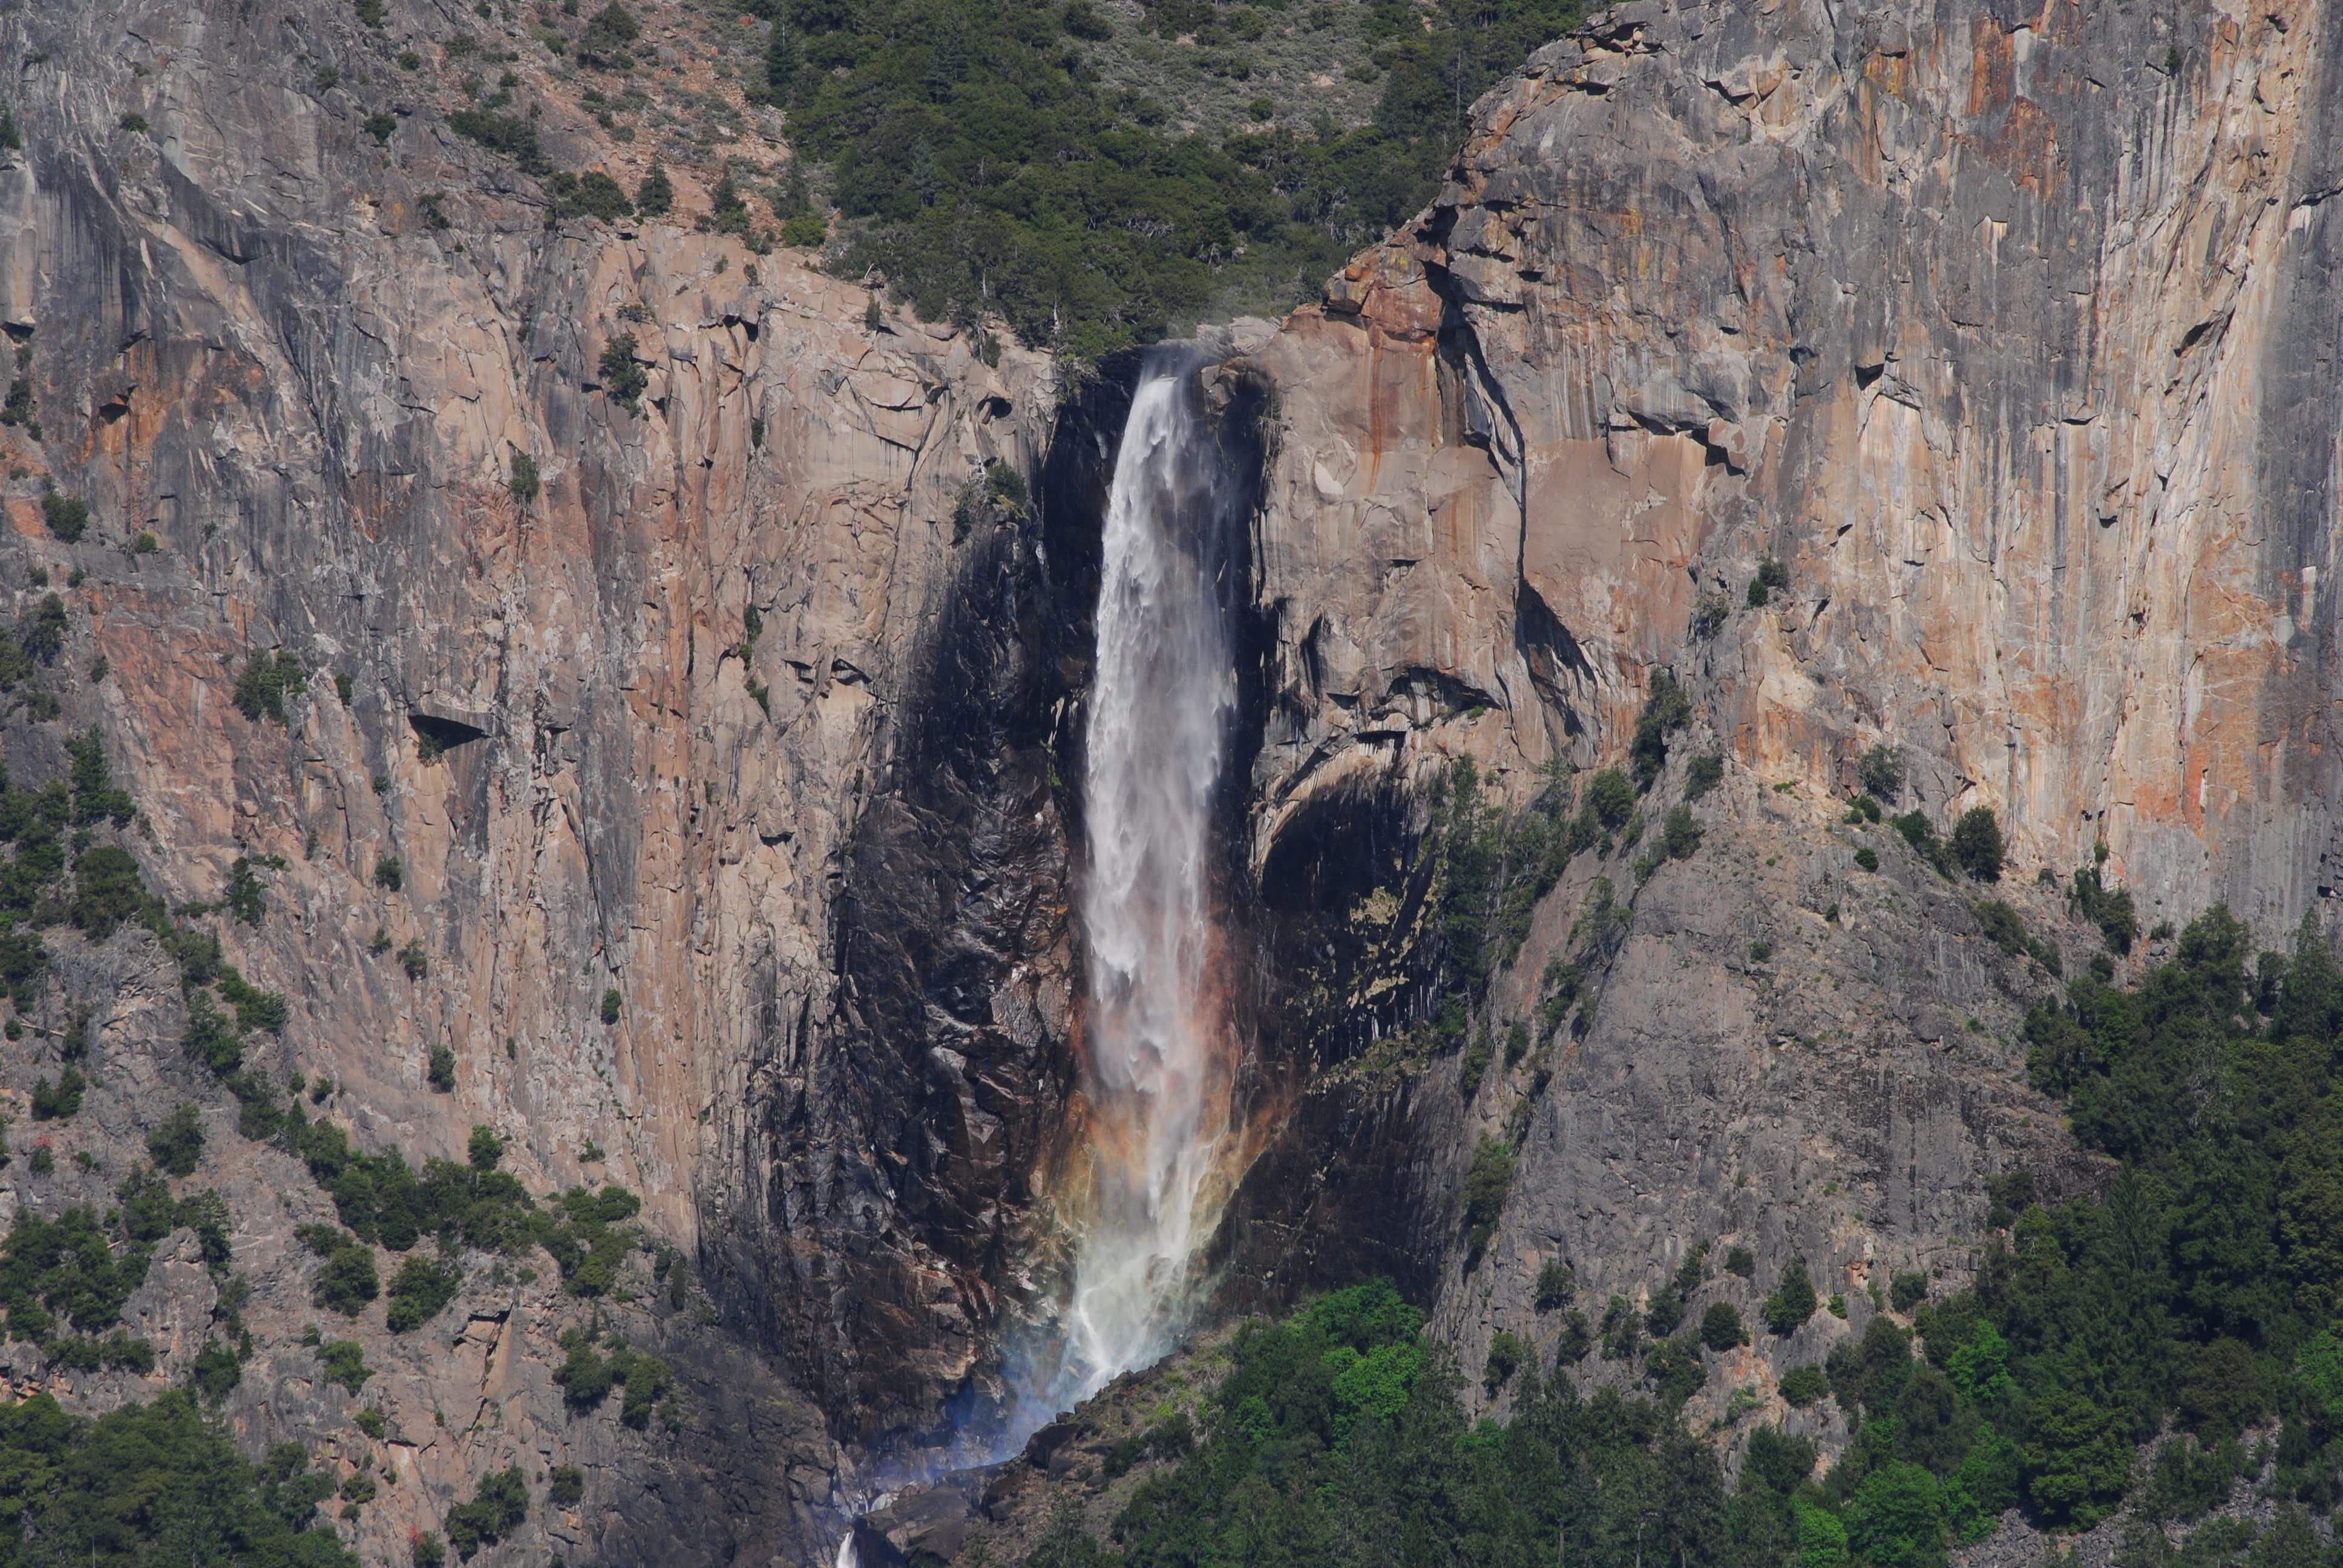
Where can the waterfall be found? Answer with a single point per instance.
(1160, 1046)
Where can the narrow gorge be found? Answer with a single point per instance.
(711, 856)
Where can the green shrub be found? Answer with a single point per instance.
(1667, 709)
(177, 1144)
(216, 1371)
(1897, 1518)
(806, 231)
(1793, 1301)
(1802, 1385)
(586, 1375)
(485, 1151)
(611, 1003)
(265, 682)
(523, 479)
(1907, 1290)
(2003, 926)
(343, 1362)
(439, 1071)
(1721, 1328)
(1772, 577)
(1680, 835)
(497, 1510)
(1976, 846)
(1485, 1186)
(60, 1101)
(389, 874)
(647, 1378)
(67, 517)
(370, 1422)
(1703, 773)
(622, 379)
(603, 42)
(1921, 834)
(515, 138)
(1880, 771)
(158, 1485)
(346, 1281)
(380, 127)
(1507, 1352)
(1867, 858)
(590, 195)
(413, 960)
(420, 1291)
(1474, 1064)
(655, 197)
(1556, 1285)
(2110, 910)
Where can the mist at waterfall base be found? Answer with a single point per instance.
(1152, 1168)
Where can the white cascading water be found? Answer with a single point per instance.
(1158, 1029)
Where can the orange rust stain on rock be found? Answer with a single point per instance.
(1993, 68)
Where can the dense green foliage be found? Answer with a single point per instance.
(75, 1270)
(496, 1509)
(1338, 1439)
(988, 172)
(153, 1484)
(265, 682)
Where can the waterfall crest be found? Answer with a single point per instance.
(1160, 1045)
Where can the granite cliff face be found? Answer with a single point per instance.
(2009, 333)
(2004, 332)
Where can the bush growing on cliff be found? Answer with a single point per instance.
(419, 1290)
(515, 138)
(1771, 579)
(497, 1508)
(1721, 1328)
(1793, 1300)
(590, 195)
(622, 379)
(67, 517)
(1880, 771)
(1976, 846)
(655, 197)
(1485, 1186)
(2110, 910)
(42, 634)
(346, 1281)
(1667, 709)
(1680, 835)
(267, 680)
(1921, 834)
(59, 1101)
(1556, 1285)
(177, 1145)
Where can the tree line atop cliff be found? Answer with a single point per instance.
(982, 168)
